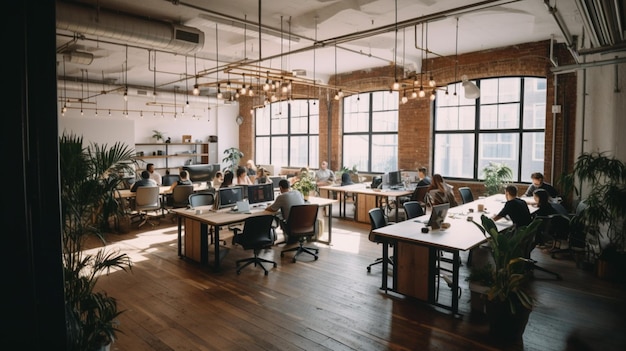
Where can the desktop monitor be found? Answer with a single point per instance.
(438, 215)
(393, 179)
(260, 193)
(228, 197)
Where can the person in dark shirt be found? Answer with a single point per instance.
(538, 183)
(424, 179)
(544, 208)
(516, 209)
(184, 180)
(144, 181)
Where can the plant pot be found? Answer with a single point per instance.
(503, 325)
(478, 297)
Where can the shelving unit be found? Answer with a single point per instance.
(171, 156)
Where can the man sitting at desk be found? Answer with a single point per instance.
(538, 183)
(144, 181)
(515, 208)
(284, 201)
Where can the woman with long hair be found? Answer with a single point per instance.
(440, 192)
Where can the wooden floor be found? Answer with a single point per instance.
(333, 303)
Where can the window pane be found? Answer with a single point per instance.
(314, 148)
(263, 150)
(455, 118)
(299, 152)
(280, 120)
(454, 155)
(355, 151)
(384, 100)
(262, 121)
(385, 121)
(500, 148)
(532, 154)
(534, 103)
(279, 152)
(509, 90)
(384, 152)
(299, 125)
(356, 103)
(356, 122)
(504, 116)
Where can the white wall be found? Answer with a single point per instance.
(198, 121)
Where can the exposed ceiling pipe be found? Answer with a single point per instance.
(572, 68)
(569, 39)
(127, 28)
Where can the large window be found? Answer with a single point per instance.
(287, 133)
(506, 125)
(370, 131)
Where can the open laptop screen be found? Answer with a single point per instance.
(260, 193)
(228, 196)
(438, 215)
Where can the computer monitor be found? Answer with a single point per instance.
(438, 215)
(228, 197)
(393, 179)
(260, 193)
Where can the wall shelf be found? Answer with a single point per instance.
(172, 155)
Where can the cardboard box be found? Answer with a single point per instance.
(186, 138)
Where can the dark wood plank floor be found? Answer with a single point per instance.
(333, 303)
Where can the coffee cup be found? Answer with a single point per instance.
(480, 207)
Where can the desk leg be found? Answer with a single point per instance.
(330, 225)
(180, 231)
(456, 262)
(216, 243)
(385, 266)
(204, 243)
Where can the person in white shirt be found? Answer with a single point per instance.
(241, 177)
(154, 175)
(324, 176)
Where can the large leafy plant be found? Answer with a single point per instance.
(507, 277)
(305, 184)
(496, 176)
(232, 158)
(88, 179)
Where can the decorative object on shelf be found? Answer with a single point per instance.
(305, 184)
(233, 155)
(186, 138)
(508, 298)
(158, 136)
(168, 141)
(88, 183)
(497, 175)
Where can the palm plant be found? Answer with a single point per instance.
(496, 176)
(232, 158)
(88, 178)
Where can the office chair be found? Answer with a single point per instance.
(301, 224)
(548, 223)
(466, 194)
(573, 233)
(180, 195)
(147, 199)
(256, 235)
(377, 220)
(412, 209)
(200, 199)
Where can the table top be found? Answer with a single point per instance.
(461, 235)
(165, 189)
(362, 188)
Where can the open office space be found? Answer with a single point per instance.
(543, 100)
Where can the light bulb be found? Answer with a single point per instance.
(422, 93)
(414, 94)
(196, 90)
(340, 93)
(243, 90)
(404, 99)
(432, 82)
(395, 85)
(433, 96)
(266, 86)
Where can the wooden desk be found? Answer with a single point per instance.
(366, 198)
(415, 253)
(163, 190)
(197, 221)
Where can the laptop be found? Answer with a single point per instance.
(243, 206)
(438, 215)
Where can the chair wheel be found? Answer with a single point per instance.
(293, 260)
(316, 258)
(266, 273)
(369, 269)
(238, 272)
(275, 265)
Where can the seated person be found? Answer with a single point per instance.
(424, 179)
(184, 180)
(324, 176)
(262, 177)
(144, 181)
(304, 171)
(154, 175)
(542, 200)
(440, 192)
(218, 179)
(241, 177)
(515, 208)
(284, 201)
(538, 183)
(228, 179)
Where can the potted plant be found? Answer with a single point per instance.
(603, 179)
(305, 184)
(158, 136)
(232, 158)
(505, 278)
(496, 176)
(86, 179)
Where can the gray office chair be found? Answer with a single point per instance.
(256, 235)
(301, 224)
(147, 199)
(180, 195)
(377, 220)
(200, 199)
(466, 194)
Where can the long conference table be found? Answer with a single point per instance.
(415, 253)
(196, 224)
(367, 198)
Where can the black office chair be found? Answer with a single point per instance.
(413, 209)
(466, 194)
(377, 220)
(256, 236)
(301, 224)
(169, 179)
(548, 223)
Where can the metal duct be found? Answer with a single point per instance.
(128, 29)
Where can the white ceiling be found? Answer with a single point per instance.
(350, 35)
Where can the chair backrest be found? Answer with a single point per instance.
(180, 195)
(147, 198)
(466, 194)
(413, 209)
(556, 226)
(169, 179)
(257, 232)
(419, 193)
(302, 220)
(377, 220)
(201, 199)
(560, 208)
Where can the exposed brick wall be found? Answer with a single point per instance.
(415, 122)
